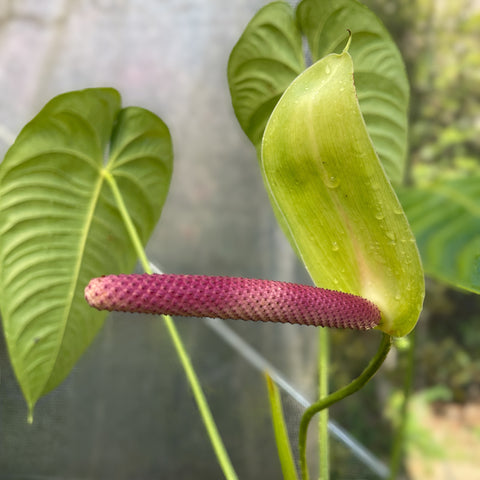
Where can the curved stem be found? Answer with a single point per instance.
(334, 397)
(202, 404)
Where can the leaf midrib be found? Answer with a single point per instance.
(81, 251)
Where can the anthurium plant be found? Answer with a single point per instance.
(331, 142)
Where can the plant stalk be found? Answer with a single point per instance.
(399, 440)
(323, 377)
(205, 412)
(338, 395)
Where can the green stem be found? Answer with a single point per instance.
(323, 369)
(205, 412)
(399, 441)
(132, 231)
(334, 397)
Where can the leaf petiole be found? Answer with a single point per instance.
(323, 370)
(205, 412)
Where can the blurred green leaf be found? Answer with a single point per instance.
(266, 59)
(380, 76)
(333, 199)
(472, 23)
(445, 218)
(59, 224)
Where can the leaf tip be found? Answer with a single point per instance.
(30, 415)
(349, 41)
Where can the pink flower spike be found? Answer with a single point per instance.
(233, 298)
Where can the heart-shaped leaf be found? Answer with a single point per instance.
(266, 59)
(60, 226)
(334, 199)
(445, 218)
(380, 76)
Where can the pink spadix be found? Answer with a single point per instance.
(233, 298)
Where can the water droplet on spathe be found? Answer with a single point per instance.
(327, 70)
(335, 246)
(392, 237)
(333, 182)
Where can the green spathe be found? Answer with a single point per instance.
(333, 198)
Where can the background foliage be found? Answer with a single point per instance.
(439, 43)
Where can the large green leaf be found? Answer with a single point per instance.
(333, 198)
(266, 59)
(380, 77)
(445, 218)
(59, 225)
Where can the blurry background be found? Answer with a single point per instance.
(126, 411)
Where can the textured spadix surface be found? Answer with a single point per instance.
(231, 297)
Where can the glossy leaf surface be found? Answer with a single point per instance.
(266, 59)
(59, 225)
(445, 218)
(380, 76)
(333, 198)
